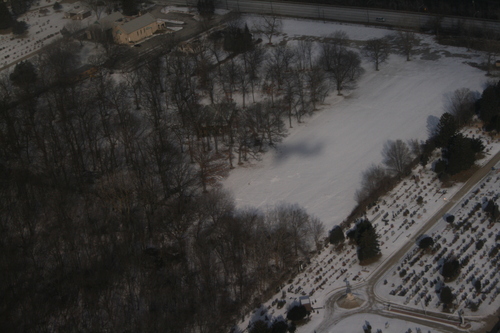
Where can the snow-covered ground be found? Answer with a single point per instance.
(420, 284)
(328, 270)
(319, 164)
(43, 29)
(356, 322)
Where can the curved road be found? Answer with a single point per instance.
(376, 304)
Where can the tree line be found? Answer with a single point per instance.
(479, 8)
(110, 202)
(111, 215)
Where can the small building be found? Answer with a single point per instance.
(135, 29)
(78, 12)
(306, 302)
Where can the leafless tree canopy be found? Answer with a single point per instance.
(461, 105)
(343, 65)
(270, 26)
(377, 50)
(406, 41)
(111, 214)
(397, 156)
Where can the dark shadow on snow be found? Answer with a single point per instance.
(432, 122)
(304, 149)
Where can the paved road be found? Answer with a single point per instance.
(346, 14)
(376, 304)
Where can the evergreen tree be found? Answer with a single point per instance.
(489, 105)
(446, 296)
(279, 326)
(450, 269)
(446, 129)
(19, 27)
(298, 312)
(129, 7)
(19, 7)
(492, 210)
(237, 40)
(336, 235)
(477, 145)
(477, 285)
(5, 17)
(460, 154)
(24, 74)
(368, 246)
(360, 227)
(426, 242)
(57, 6)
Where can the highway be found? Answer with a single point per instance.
(392, 19)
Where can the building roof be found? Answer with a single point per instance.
(138, 23)
(110, 19)
(306, 302)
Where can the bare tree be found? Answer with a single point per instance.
(317, 84)
(304, 54)
(461, 105)
(406, 41)
(372, 181)
(291, 221)
(377, 50)
(252, 61)
(317, 230)
(397, 156)
(211, 168)
(344, 66)
(270, 26)
(74, 29)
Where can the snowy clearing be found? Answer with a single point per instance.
(319, 164)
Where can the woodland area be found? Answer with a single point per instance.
(110, 209)
(110, 212)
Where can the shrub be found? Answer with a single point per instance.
(446, 296)
(450, 269)
(19, 27)
(336, 235)
(479, 244)
(425, 242)
(477, 285)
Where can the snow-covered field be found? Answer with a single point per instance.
(319, 164)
